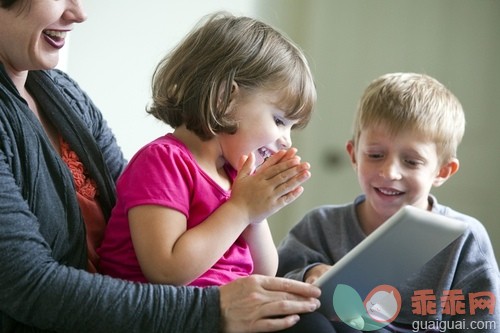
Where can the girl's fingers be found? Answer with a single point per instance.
(245, 167)
(290, 153)
(290, 197)
(279, 156)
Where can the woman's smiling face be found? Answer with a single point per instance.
(33, 32)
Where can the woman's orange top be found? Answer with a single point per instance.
(86, 192)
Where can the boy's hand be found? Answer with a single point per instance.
(315, 272)
(273, 185)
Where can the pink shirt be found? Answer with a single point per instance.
(165, 173)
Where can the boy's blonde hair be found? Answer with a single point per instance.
(192, 85)
(413, 102)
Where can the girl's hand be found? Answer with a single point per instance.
(273, 185)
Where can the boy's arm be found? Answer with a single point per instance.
(303, 249)
(261, 244)
(477, 278)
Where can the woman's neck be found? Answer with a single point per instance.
(49, 128)
(17, 77)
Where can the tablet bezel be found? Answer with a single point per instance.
(390, 254)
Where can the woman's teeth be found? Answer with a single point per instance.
(55, 38)
(56, 34)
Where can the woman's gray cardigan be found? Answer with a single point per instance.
(43, 284)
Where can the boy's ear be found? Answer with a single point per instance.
(351, 151)
(446, 171)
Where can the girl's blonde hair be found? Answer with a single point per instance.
(413, 102)
(192, 85)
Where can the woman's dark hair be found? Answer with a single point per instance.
(23, 4)
(7, 3)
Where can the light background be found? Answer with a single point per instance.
(348, 43)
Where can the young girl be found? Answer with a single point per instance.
(192, 205)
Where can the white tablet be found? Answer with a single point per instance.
(389, 255)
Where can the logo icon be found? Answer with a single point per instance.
(380, 307)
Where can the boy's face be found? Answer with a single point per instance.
(396, 170)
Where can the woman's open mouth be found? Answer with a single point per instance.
(55, 38)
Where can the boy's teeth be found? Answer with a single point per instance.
(387, 192)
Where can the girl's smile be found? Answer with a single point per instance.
(263, 128)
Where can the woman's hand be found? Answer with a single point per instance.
(265, 304)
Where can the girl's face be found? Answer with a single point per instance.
(396, 170)
(33, 32)
(262, 128)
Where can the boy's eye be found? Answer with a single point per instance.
(412, 162)
(375, 155)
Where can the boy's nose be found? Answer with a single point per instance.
(390, 170)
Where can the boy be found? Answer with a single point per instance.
(406, 133)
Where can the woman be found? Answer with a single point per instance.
(58, 165)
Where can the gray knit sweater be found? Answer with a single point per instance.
(43, 284)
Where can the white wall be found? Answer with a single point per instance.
(113, 54)
(349, 43)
